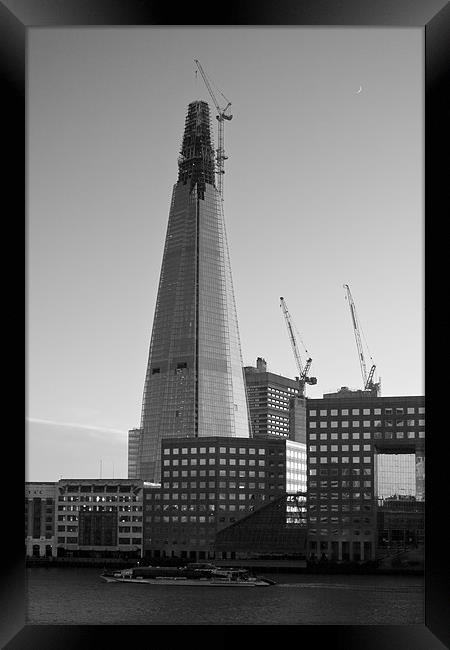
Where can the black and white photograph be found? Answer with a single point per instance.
(225, 290)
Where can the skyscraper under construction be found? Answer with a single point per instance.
(194, 385)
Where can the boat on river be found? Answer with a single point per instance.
(206, 575)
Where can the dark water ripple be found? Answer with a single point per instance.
(78, 597)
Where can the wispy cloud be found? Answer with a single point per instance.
(75, 425)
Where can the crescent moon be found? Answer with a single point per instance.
(358, 91)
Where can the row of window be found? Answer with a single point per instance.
(211, 496)
(100, 508)
(126, 541)
(336, 484)
(355, 447)
(367, 494)
(387, 410)
(192, 462)
(339, 507)
(377, 435)
(98, 488)
(345, 532)
(345, 471)
(212, 450)
(232, 473)
(97, 499)
(212, 484)
(122, 518)
(344, 424)
(341, 459)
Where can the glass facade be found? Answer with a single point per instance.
(396, 475)
(194, 384)
(134, 443)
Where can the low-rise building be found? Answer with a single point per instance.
(99, 517)
(40, 519)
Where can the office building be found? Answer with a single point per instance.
(364, 453)
(194, 385)
(210, 483)
(274, 404)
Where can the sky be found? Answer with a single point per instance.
(324, 186)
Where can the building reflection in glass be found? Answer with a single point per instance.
(396, 475)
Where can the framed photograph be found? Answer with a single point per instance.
(326, 174)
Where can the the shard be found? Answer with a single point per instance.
(194, 384)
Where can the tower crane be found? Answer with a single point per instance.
(220, 117)
(303, 372)
(368, 379)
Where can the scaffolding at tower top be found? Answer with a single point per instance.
(220, 117)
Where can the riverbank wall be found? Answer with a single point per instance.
(261, 566)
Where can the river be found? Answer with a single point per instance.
(77, 596)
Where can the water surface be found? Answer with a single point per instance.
(77, 596)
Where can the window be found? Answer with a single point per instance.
(344, 412)
(367, 459)
(312, 436)
(323, 412)
(334, 424)
(344, 423)
(355, 411)
(312, 412)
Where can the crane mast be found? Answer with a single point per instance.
(303, 372)
(220, 117)
(367, 378)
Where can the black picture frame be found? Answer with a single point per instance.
(16, 17)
